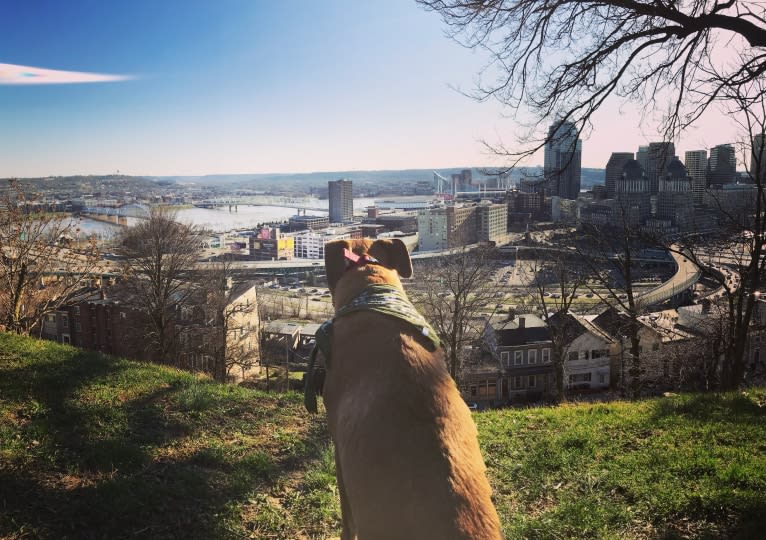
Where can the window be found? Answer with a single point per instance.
(574, 355)
(546, 356)
(122, 315)
(473, 391)
(579, 378)
(506, 358)
(64, 321)
(532, 356)
(601, 378)
(532, 381)
(65, 339)
(518, 357)
(78, 326)
(76, 310)
(518, 382)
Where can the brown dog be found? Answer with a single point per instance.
(407, 457)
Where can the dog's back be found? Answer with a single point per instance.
(408, 460)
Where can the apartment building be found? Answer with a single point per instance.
(104, 320)
(310, 244)
(341, 200)
(460, 225)
(492, 221)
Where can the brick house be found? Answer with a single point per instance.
(103, 320)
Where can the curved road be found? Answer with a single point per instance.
(687, 274)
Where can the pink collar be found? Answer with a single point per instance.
(352, 259)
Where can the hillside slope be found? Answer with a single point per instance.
(98, 447)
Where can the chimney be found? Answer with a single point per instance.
(522, 322)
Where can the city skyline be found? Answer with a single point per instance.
(259, 88)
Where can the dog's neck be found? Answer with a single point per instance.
(356, 278)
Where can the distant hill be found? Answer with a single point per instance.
(98, 447)
(382, 177)
(73, 185)
(297, 181)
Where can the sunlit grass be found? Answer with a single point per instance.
(97, 447)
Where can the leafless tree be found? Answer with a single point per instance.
(608, 252)
(40, 268)
(454, 292)
(232, 311)
(698, 360)
(741, 234)
(562, 59)
(562, 275)
(159, 256)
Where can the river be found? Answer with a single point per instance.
(219, 219)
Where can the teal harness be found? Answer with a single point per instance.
(385, 299)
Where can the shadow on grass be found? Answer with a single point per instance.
(91, 464)
(724, 408)
(719, 461)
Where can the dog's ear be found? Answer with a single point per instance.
(334, 261)
(393, 253)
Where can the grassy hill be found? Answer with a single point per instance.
(98, 447)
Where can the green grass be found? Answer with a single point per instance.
(97, 447)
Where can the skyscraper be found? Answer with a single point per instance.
(696, 164)
(341, 201)
(722, 165)
(658, 157)
(675, 199)
(632, 194)
(642, 156)
(613, 171)
(723, 153)
(563, 158)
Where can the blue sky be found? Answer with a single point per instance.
(246, 86)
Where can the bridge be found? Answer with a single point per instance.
(116, 215)
(299, 203)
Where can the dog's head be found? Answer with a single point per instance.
(349, 268)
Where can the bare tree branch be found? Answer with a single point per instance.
(561, 59)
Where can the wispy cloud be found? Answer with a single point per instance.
(13, 74)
